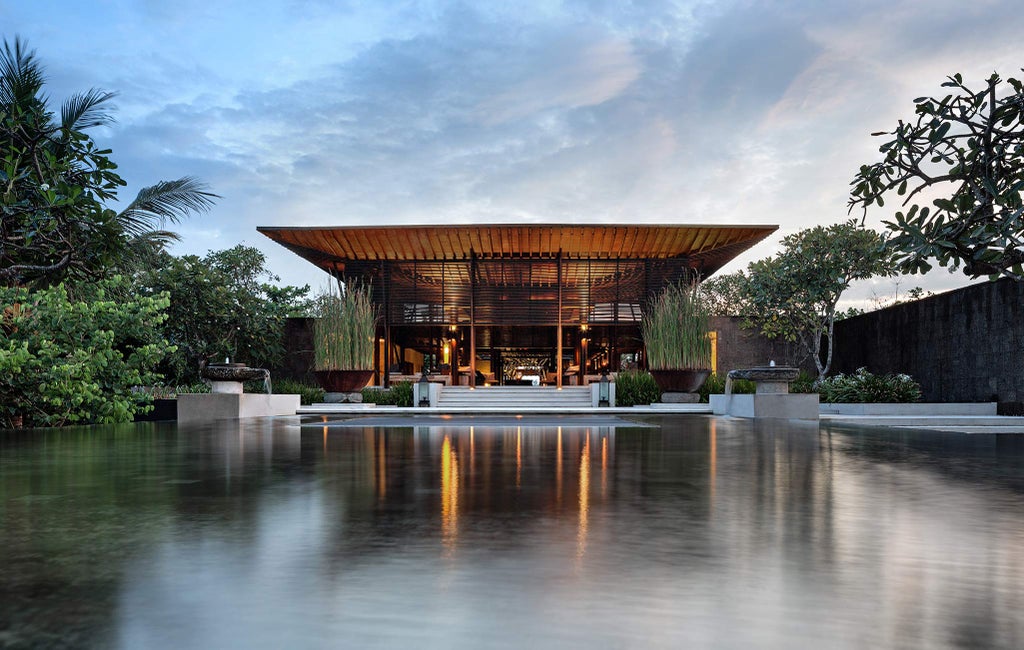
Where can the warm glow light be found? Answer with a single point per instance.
(581, 531)
(449, 495)
(604, 466)
(382, 470)
(519, 455)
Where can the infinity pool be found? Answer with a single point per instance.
(686, 532)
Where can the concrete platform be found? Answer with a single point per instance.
(206, 407)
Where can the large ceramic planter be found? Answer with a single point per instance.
(343, 381)
(680, 381)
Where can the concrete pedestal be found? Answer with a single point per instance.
(207, 407)
(781, 406)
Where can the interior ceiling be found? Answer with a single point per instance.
(705, 247)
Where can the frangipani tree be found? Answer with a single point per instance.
(968, 148)
(794, 294)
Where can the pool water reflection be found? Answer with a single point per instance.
(694, 532)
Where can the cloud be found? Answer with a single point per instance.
(581, 110)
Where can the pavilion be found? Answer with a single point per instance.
(540, 303)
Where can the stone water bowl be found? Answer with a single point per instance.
(229, 377)
(767, 379)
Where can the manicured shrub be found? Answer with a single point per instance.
(307, 394)
(399, 394)
(715, 385)
(633, 387)
(863, 387)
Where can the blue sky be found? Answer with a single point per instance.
(320, 113)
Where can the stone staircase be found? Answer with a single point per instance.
(512, 397)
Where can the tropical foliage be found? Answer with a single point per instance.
(675, 329)
(725, 294)
(65, 360)
(634, 387)
(966, 148)
(345, 328)
(794, 294)
(224, 304)
(57, 183)
(864, 387)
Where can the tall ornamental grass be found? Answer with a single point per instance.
(675, 329)
(344, 331)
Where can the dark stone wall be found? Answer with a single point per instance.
(747, 348)
(298, 356)
(962, 346)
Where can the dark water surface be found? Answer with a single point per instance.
(692, 533)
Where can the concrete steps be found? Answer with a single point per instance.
(534, 397)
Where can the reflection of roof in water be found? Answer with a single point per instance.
(538, 421)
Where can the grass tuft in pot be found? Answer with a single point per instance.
(344, 331)
(675, 329)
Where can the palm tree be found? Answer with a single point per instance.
(55, 184)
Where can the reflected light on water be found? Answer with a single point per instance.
(703, 533)
(584, 500)
(449, 495)
(519, 457)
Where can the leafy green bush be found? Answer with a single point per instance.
(862, 387)
(307, 394)
(633, 387)
(805, 382)
(399, 394)
(715, 385)
(65, 360)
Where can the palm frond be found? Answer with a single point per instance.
(21, 76)
(86, 110)
(166, 201)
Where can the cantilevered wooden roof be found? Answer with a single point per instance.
(708, 247)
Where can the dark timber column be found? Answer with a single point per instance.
(472, 318)
(385, 275)
(558, 348)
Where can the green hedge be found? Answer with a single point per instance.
(307, 394)
(634, 387)
(399, 394)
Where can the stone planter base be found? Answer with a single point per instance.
(680, 398)
(343, 398)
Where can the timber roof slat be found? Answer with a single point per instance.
(326, 246)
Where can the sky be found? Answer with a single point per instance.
(343, 112)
